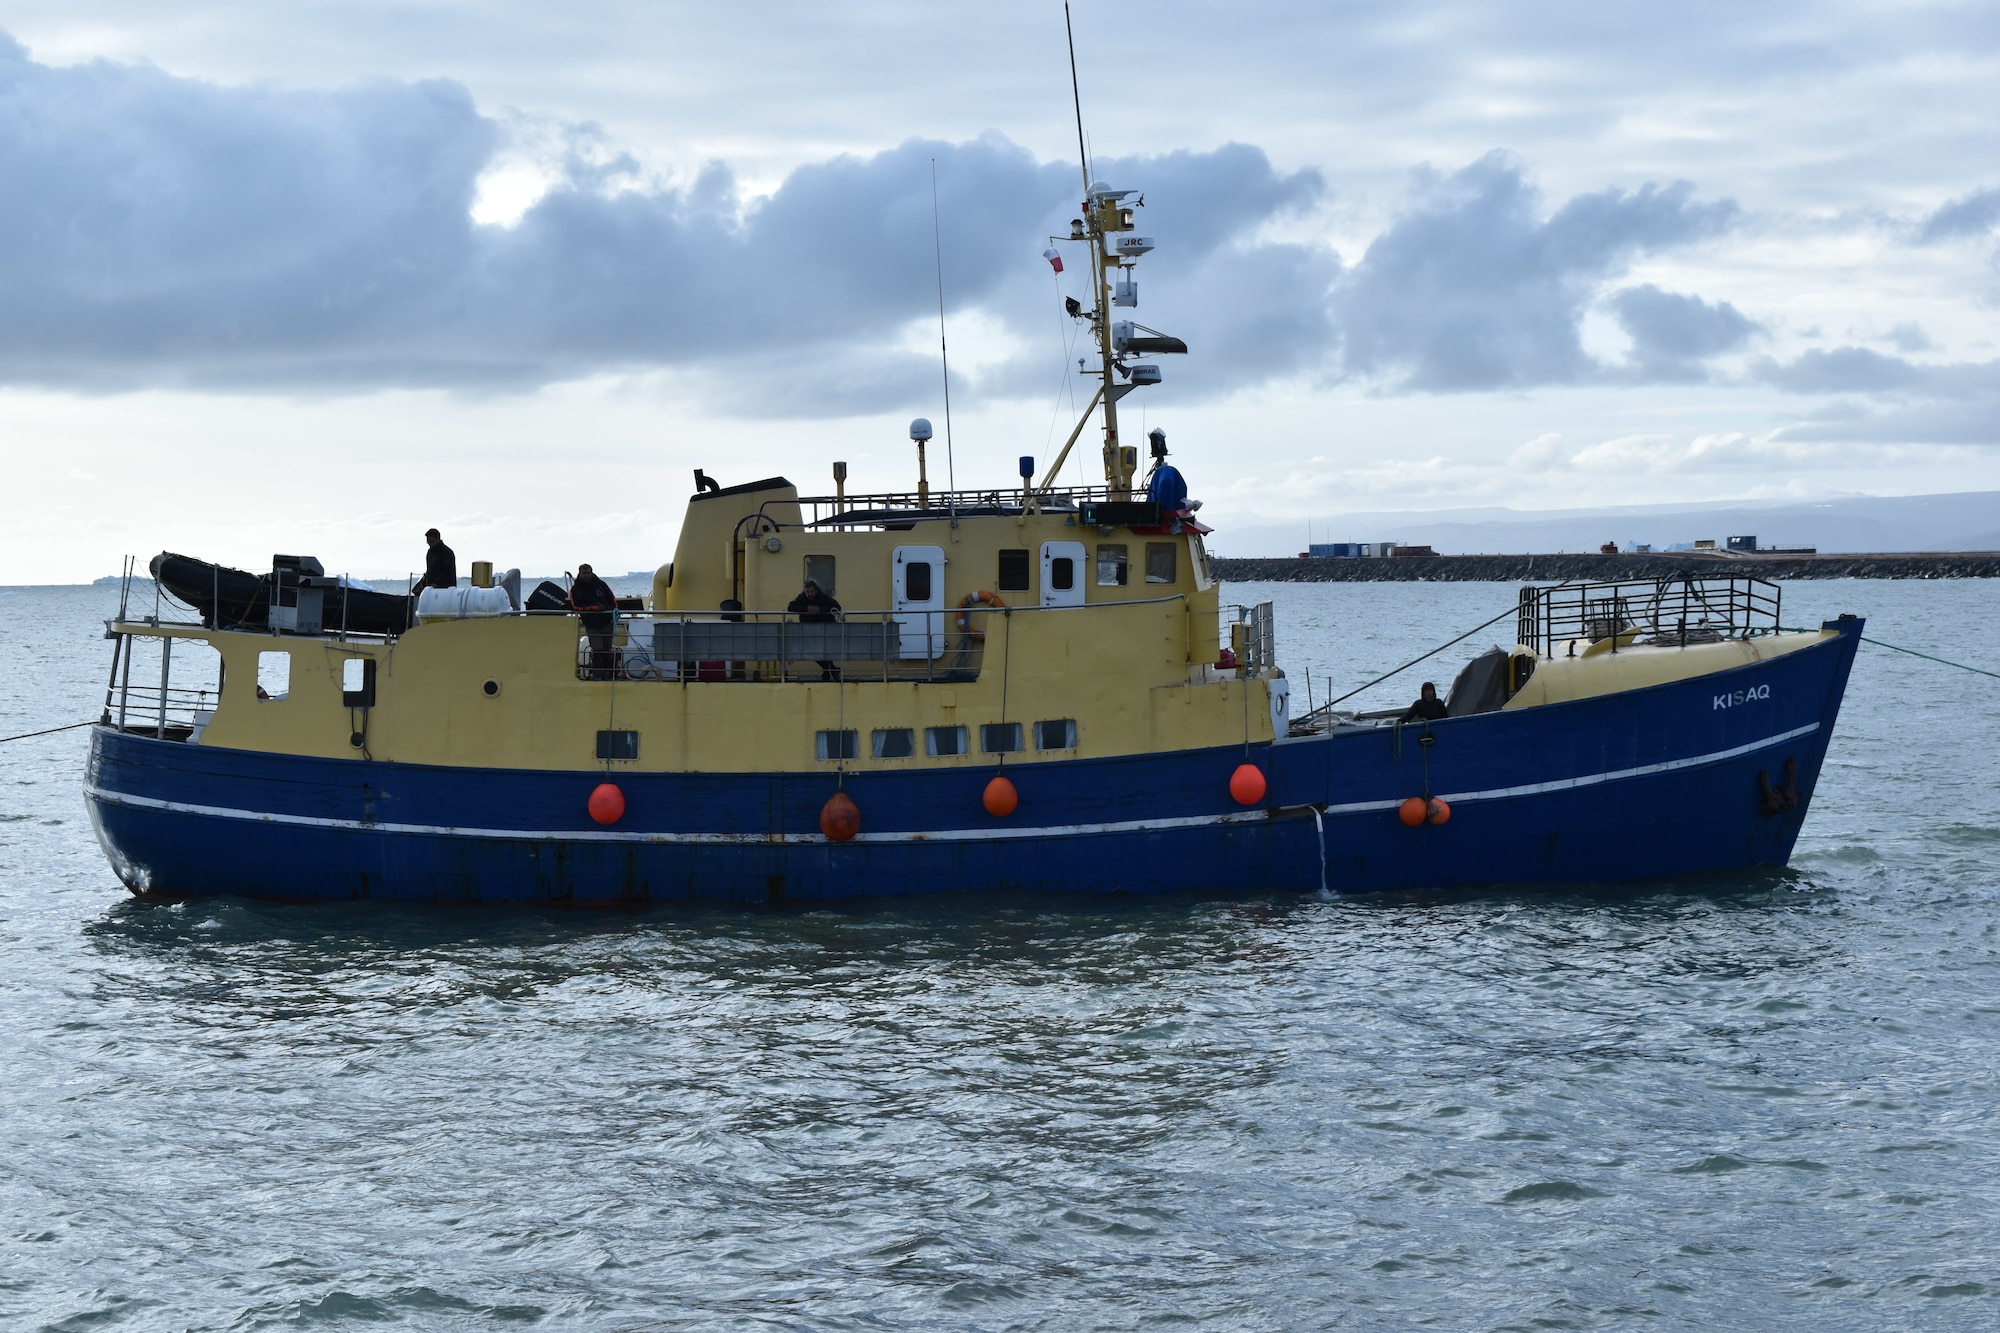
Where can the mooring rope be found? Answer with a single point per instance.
(50, 732)
(1896, 648)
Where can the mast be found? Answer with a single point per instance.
(1115, 478)
(1118, 469)
(1105, 216)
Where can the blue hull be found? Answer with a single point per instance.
(1656, 782)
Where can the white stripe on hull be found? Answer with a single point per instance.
(997, 833)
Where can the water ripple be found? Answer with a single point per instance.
(1736, 1103)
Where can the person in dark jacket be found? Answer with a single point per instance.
(440, 565)
(815, 607)
(593, 601)
(1428, 707)
(1165, 486)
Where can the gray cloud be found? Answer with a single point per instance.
(1896, 402)
(1841, 370)
(1974, 215)
(1473, 289)
(162, 230)
(1909, 336)
(1672, 334)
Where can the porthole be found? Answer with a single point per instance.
(492, 687)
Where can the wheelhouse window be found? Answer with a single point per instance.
(1111, 565)
(1161, 565)
(892, 743)
(1057, 735)
(837, 745)
(820, 570)
(357, 682)
(274, 675)
(1000, 737)
(940, 742)
(1013, 575)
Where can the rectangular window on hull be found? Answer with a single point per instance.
(1013, 575)
(837, 745)
(617, 745)
(1000, 737)
(893, 743)
(1058, 735)
(1111, 566)
(940, 742)
(274, 675)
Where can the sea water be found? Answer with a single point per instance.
(1743, 1102)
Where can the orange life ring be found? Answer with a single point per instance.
(982, 598)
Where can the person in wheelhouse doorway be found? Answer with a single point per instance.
(814, 606)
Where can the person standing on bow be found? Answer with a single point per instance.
(594, 602)
(1428, 707)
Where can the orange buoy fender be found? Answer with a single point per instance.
(1247, 784)
(1414, 811)
(607, 803)
(972, 601)
(840, 817)
(1000, 798)
(1436, 812)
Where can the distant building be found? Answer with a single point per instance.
(1743, 545)
(1417, 551)
(1356, 550)
(1705, 544)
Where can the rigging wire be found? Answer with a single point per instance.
(1063, 386)
(1510, 611)
(944, 356)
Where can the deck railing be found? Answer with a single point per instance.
(1684, 609)
(888, 508)
(908, 645)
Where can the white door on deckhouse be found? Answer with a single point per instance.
(1062, 573)
(918, 584)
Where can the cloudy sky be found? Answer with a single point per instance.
(316, 276)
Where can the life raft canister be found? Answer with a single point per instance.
(990, 601)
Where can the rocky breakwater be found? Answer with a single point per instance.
(1588, 568)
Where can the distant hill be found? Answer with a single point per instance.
(1967, 521)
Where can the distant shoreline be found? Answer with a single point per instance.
(1542, 568)
(1552, 568)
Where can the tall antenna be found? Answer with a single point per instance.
(944, 356)
(1076, 98)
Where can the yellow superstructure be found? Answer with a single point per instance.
(1119, 659)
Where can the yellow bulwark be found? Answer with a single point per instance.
(1105, 636)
